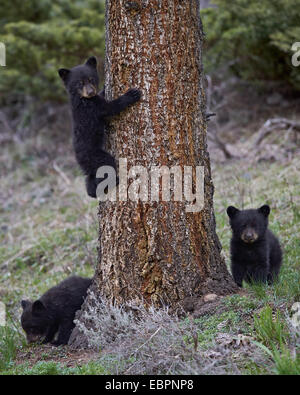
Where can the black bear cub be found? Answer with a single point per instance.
(53, 313)
(89, 111)
(255, 252)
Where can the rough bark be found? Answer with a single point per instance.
(156, 252)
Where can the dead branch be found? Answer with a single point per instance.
(275, 124)
(213, 136)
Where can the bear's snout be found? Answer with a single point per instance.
(249, 235)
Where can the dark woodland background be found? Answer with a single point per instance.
(48, 226)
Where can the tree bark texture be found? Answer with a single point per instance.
(156, 252)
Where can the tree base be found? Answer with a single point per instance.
(197, 306)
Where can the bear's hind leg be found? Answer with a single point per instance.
(91, 185)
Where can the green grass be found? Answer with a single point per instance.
(49, 230)
(285, 362)
(243, 304)
(273, 337)
(270, 329)
(10, 340)
(282, 361)
(53, 368)
(209, 327)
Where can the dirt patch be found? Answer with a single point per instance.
(63, 355)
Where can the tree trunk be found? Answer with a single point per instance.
(156, 251)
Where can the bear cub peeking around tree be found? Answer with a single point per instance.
(255, 252)
(54, 312)
(89, 111)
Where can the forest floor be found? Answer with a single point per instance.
(48, 231)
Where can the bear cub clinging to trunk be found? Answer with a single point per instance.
(89, 111)
(54, 312)
(255, 251)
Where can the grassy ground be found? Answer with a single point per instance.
(48, 230)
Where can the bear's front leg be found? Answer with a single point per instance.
(116, 106)
(64, 333)
(50, 333)
(238, 270)
(91, 185)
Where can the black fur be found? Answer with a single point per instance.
(255, 251)
(89, 111)
(54, 311)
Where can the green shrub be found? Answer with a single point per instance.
(41, 36)
(255, 38)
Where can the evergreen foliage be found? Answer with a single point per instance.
(42, 35)
(254, 38)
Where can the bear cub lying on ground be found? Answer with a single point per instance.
(255, 251)
(89, 111)
(54, 312)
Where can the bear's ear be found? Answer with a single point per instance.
(92, 62)
(265, 210)
(38, 307)
(64, 74)
(25, 303)
(231, 211)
